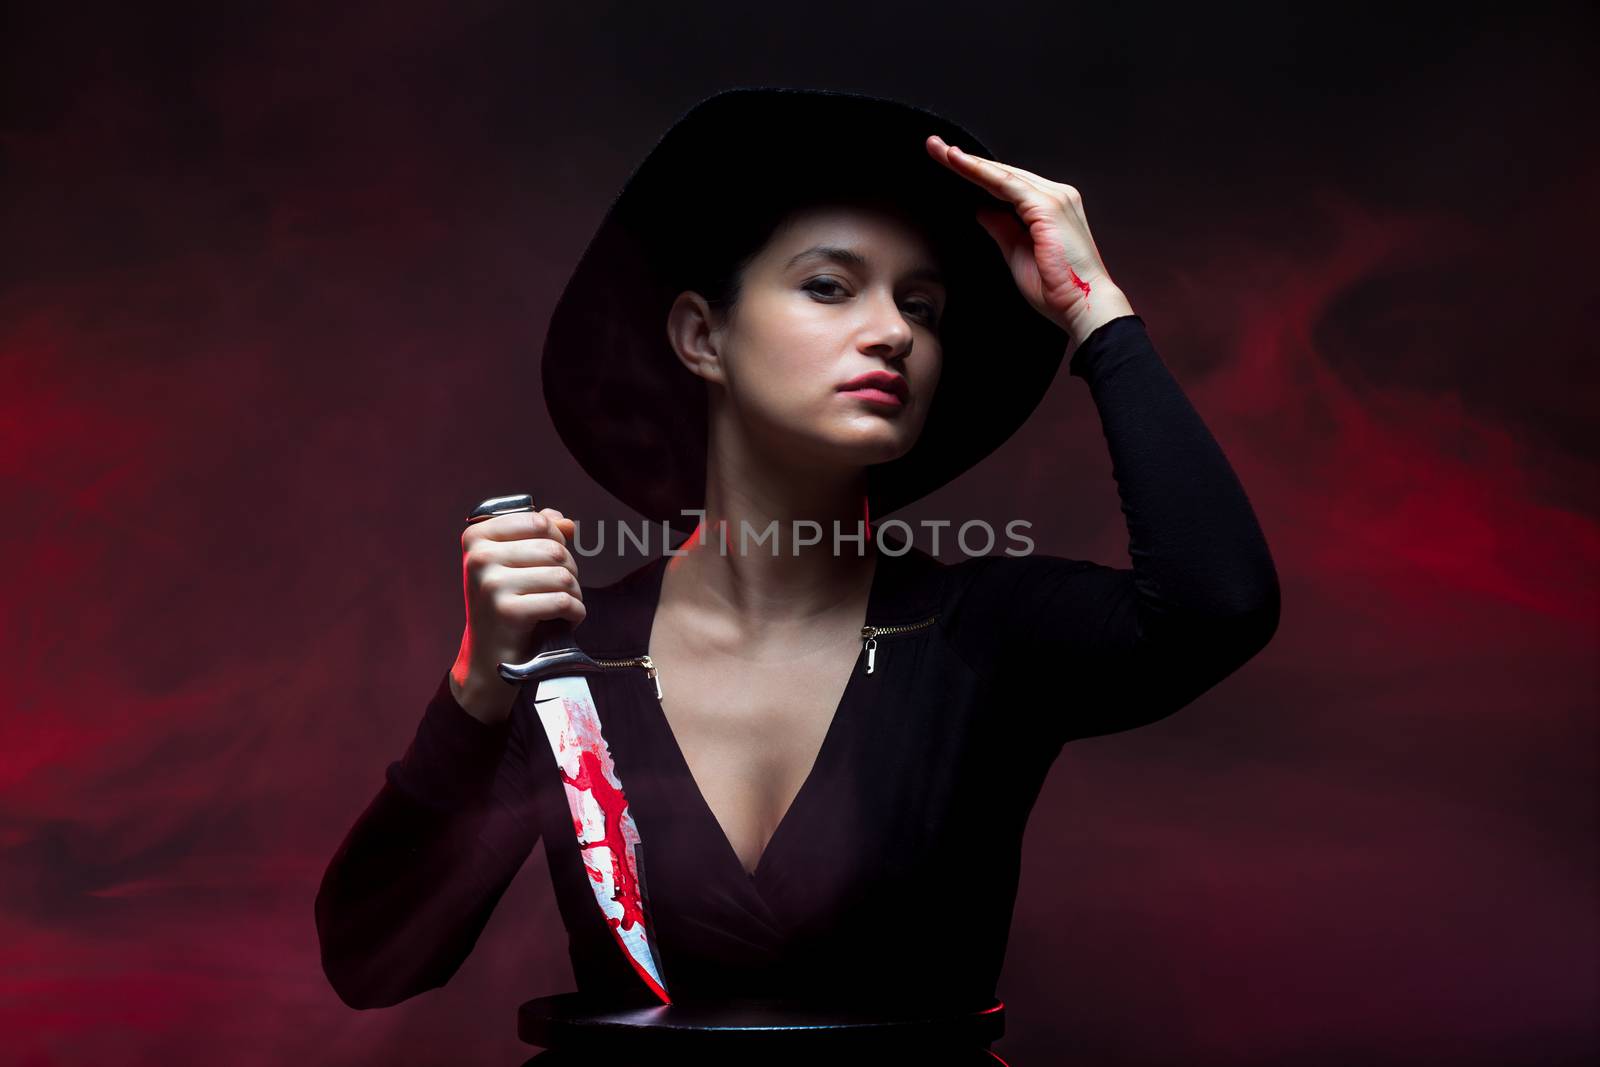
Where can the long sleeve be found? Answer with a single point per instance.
(413, 883)
(1114, 648)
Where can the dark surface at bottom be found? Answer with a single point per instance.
(946, 1058)
(576, 1029)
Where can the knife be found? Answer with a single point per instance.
(607, 837)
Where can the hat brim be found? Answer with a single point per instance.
(634, 417)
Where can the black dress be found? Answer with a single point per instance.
(893, 875)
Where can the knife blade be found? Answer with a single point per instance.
(608, 838)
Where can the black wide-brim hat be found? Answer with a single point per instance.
(635, 418)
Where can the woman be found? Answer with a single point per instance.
(830, 755)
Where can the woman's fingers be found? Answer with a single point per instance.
(1001, 179)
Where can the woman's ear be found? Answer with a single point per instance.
(694, 337)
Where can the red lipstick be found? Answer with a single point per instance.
(879, 387)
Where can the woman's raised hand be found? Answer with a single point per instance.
(516, 572)
(1050, 251)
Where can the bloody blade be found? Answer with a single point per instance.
(607, 836)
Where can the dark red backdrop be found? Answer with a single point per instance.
(272, 290)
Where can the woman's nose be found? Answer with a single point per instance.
(889, 327)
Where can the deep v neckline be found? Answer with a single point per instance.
(830, 738)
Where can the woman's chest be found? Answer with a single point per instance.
(749, 729)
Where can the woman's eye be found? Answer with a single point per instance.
(829, 282)
(926, 309)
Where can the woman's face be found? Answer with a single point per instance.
(838, 293)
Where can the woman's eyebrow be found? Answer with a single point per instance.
(849, 257)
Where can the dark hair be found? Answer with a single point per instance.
(723, 286)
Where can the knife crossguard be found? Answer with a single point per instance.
(568, 660)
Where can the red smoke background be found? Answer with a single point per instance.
(273, 287)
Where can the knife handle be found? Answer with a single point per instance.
(555, 649)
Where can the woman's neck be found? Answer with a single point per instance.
(747, 566)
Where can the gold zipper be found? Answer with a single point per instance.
(646, 662)
(869, 639)
(870, 635)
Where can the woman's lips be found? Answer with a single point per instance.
(875, 396)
